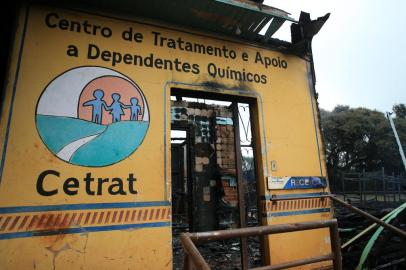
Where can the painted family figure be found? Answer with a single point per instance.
(116, 108)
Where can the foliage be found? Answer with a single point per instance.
(399, 110)
(360, 138)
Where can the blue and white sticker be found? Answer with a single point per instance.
(305, 182)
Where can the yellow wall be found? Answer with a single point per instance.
(133, 230)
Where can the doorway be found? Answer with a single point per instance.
(213, 175)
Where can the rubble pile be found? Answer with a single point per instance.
(388, 251)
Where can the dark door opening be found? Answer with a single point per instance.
(181, 187)
(213, 176)
(179, 149)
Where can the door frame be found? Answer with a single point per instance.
(190, 174)
(254, 100)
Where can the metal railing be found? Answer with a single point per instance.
(194, 260)
(363, 187)
(351, 208)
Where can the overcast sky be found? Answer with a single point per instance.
(359, 54)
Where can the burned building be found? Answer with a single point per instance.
(125, 123)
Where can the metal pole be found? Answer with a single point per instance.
(376, 189)
(240, 185)
(186, 262)
(301, 262)
(383, 185)
(402, 154)
(261, 230)
(195, 260)
(193, 253)
(360, 189)
(335, 246)
(363, 187)
(342, 184)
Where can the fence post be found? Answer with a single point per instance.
(336, 246)
(364, 186)
(360, 189)
(186, 262)
(342, 184)
(398, 182)
(376, 188)
(383, 185)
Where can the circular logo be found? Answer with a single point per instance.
(92, 116)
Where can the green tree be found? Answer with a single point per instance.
(360, 138)
(399, 110)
